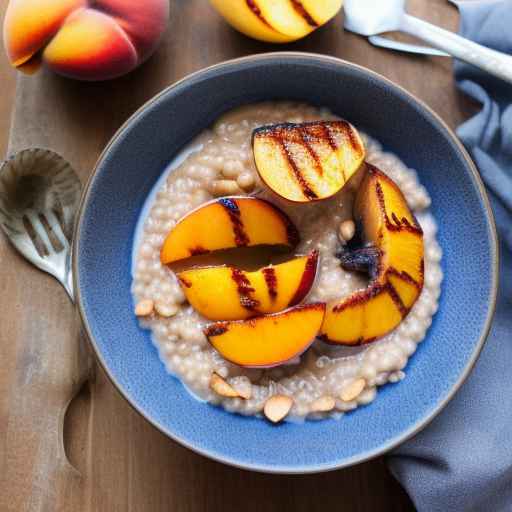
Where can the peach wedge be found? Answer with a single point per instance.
(228, 293)
(268, 340)
(279, 21)
(393, 257)
(308, 161)
(226, 223)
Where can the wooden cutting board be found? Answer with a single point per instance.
(123, 462)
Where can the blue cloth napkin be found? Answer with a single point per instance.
(463, 460)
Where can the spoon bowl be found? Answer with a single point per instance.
(39, 196)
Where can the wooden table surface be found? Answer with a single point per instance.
(125, 463)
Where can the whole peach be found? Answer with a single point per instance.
(83, 39)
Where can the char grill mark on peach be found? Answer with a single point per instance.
(241, 238)
(305, 141)
(327, 135)
(396, 299)
(358, 298)
(323, 132)
(297, 173)
(271, 280)
(257, 11)
(398, 224)
(297, 5)
(405, 276)
(244, 289)
(349, 134)
(307, 278)
(396, 281)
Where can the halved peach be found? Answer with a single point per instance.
(393, 257)
(228, 293)
(226, 223)
(83, 39)
(308, 161)
(268, 340)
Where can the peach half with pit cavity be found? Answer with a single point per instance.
(391, 252)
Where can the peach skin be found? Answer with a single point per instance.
(268, 340)
(84, 40)
(393, 257)
(228, 293)
(237, 222)
(308, 161)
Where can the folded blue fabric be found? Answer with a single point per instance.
(463, 460)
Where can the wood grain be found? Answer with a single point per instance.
(124, 462)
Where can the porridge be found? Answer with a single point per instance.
(326, 379)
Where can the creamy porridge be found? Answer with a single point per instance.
(326, 379)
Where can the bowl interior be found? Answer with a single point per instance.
(133, 162)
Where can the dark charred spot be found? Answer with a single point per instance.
(198, 250)
(365, 260)
(230, 205)
(215, 330)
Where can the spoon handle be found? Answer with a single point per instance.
(494, 62)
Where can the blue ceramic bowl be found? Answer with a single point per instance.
(134, 160)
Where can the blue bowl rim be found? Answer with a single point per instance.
(415, 428)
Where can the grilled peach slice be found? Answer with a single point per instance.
(308, 161)
(393, 257)
(228, 293)
(279, 21)
(226, 223)
(268, 340)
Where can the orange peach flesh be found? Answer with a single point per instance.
(28, 25)
(80, 39)
(268, 340)
(228, 293)
(237, 222)
(389, 226)
(95, 42)
(277, 22)
(308, 161)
